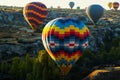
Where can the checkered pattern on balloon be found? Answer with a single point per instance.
(65, 40)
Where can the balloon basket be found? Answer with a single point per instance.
(62, 76)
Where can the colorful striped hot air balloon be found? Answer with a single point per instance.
(65, 40)
(35, 13)
(115, 5)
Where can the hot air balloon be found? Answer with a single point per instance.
(58, 7)
(115, 5)
(78, 8)
(110, 4)
(71, 4)
(94, 12)
(65, 39)
(35, 13)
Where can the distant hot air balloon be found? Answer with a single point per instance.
(115, 5)
(78, 8)
(58, 7)
(71, 4)
(35, 13)
(94, 12)
(110, 4)
(65, 40)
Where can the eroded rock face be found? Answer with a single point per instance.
(20, 41)
(12, 18)
(21, 48)
(16, 36)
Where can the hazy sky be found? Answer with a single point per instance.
(61, 3)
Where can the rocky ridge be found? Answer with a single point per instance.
(16, 37)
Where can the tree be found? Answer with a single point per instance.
(22, 70)
(29, 63)
(37, 70)
(4, 67)
(29, 77)
(50, 68)
(43, 57)
(14, 70)
(78, 8)
(44, 74)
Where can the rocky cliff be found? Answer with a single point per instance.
(110, 73)
(16, 36)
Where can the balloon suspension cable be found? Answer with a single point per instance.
(62, 76)
(71, 10)
(95, 25)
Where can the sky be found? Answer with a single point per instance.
(62, 3)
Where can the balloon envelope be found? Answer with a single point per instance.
(115, 5)
(78, 8)
(65, 40)
(35, 13)
(94, 12)
(110, 4)
(71, 4)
